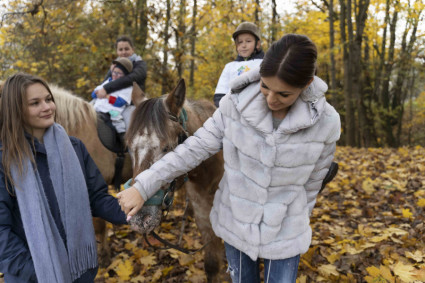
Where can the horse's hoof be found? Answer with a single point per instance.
(146, 219)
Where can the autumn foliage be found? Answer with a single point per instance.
(369, 52)
(368, 226)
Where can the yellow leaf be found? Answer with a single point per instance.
(302, 279)
(352, 250)
(81, 82)
(386, 273)
(138, 279)
(406, 213)
(139, 253)
(93, 48)
(404, 272)
(115, 263)
(129, 246)
(186, 259)
(148, 260)
(156, 275)
(421, 202)
(333, 257)
(328, 269)
(417, 256)
(373, 270)
(166, 225)
(377, 239)
(167, 270)
(367, 186)
(19, 63)
(420, 273)
(196, 275)
(397, 231)
(124, 270)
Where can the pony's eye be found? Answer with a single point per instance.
(166, 149)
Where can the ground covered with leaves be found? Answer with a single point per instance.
(368, 226)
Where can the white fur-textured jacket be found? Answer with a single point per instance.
(272, 176)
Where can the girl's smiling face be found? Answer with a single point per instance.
(39, 111)
(279, 95)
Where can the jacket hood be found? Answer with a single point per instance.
(251, 103)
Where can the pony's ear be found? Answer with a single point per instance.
(175, 99)
(137, 94)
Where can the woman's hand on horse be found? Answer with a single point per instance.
(130, 201)
(101, 93)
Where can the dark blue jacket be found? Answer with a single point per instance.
(15, 258)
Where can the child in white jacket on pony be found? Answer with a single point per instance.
(278, 136)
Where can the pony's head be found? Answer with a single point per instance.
(156, 127)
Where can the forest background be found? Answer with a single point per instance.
(368, 224)
(371, 52)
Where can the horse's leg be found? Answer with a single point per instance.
(201, 201)
(103, 249)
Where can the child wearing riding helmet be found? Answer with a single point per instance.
(248, 46)
(278, 137)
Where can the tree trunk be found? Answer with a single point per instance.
(370, 138)
(350, 122)
(387, 118)
(164, 68)
(358, 83)
(192, 44)
(332, 47)
(143, 27)
(180, 39)
(257, 12)
(273, 32)
(379, 72)
(401, 87)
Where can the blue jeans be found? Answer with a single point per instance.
(244, 270)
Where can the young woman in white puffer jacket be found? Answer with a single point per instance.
(278, 136)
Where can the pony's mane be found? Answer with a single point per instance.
(150, 116)
(72, 111)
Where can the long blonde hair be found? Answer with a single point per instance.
(14, 145)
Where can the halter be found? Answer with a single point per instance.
(168, 198)
(182, 119)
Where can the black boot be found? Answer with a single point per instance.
(330, 175)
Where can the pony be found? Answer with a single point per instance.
(79, 119)
(155, 130)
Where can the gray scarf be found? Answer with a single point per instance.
(53, 261)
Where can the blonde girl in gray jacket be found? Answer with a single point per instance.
(278, 135)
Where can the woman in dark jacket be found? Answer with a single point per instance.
(125, 48)
(49, 190)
